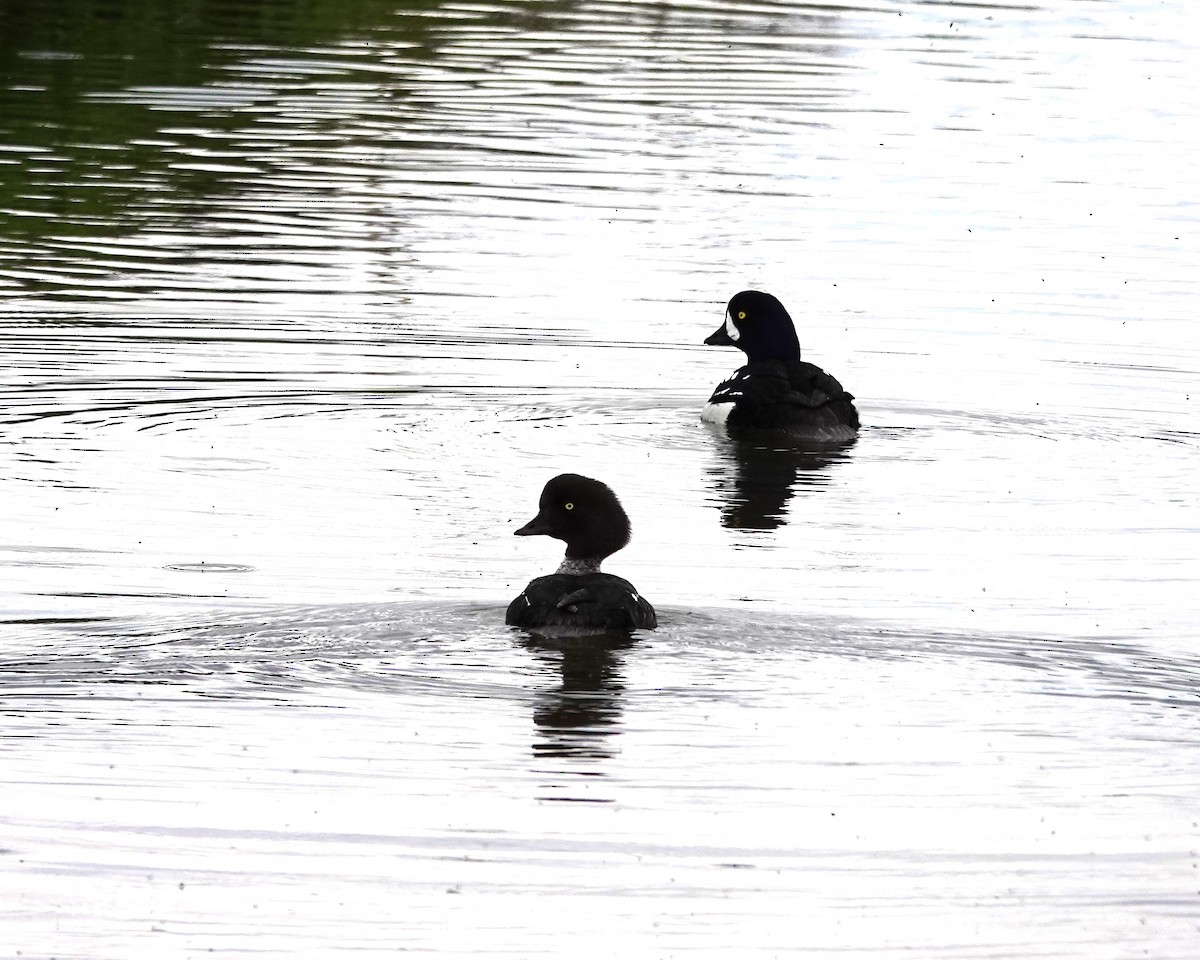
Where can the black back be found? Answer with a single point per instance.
(797, 397)
(594, 602)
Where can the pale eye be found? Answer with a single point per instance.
(741, 314)
(568, 506)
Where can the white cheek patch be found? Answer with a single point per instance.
(730, 328)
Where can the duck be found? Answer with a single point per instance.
(577, 598)
(776, 392)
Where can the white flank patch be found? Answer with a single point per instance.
(716, 412)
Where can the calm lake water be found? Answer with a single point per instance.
(301, 303)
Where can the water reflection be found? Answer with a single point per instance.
(115, 114)
(579, 717)
(756, 478)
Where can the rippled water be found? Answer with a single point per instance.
(302, 303)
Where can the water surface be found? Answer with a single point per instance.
(301, 304)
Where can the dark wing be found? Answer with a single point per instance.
(814, 386)
(597, 601)
(795, 397)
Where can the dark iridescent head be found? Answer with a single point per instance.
(757, 324)
(584, 513)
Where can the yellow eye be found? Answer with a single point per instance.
(569, 506)
(741, 314)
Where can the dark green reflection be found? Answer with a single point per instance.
(74, 154)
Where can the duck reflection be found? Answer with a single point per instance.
(579, 717)
(756, 477)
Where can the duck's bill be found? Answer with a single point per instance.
(721, 338)
(533, 528)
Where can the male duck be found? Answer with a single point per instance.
(577, 597)
(776, 391)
